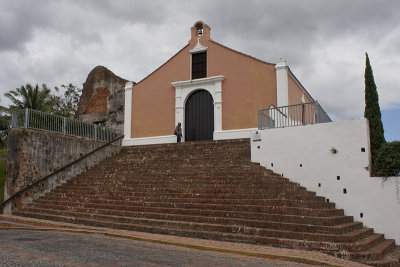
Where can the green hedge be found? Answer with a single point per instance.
(3, 154)
(387, 162)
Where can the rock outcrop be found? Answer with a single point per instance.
(102, 100)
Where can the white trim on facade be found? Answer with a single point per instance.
(198, 48)
(183, 89)
(127, 111)
(234, 134)
(165, 139)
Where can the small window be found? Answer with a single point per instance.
(199, 65)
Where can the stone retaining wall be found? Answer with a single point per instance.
(34, 154)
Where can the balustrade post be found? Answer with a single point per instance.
(64, 125)
(26, 123)
(95, 132)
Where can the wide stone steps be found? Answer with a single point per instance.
(163, 201)
(209, 190)
(131, 223)
(188, 190)
(216, 211)
(389, 259)
(187, 203)
(301, 223)
(273, 217)
(156, 194)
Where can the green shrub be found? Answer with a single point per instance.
(3, 154)
(387, 162)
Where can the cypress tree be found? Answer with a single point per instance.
(372, 112)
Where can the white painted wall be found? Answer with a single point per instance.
(310, 146)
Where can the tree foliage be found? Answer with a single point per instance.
(372, 112)
(387, 162)
(28, 96)
(66, 104)
(4, 126)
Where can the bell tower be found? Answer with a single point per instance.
(200, 30)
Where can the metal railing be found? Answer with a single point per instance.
(292, 115)
(33, 119)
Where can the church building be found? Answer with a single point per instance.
(212, 90)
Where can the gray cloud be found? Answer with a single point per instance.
(324, 42)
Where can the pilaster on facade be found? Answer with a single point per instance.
(128, 110)
(282, 83)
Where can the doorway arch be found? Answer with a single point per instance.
(199, 116)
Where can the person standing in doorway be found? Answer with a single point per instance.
(178, 132)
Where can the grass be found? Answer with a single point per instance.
(3, 155)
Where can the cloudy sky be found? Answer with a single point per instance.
(324, 42)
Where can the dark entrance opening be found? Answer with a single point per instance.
(199, 116)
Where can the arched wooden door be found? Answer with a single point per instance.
(199, 116)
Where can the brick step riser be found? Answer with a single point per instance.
(199, 202)
(176, 215)
(368, 255)
(321, 221)
(195, 175)
(138, 181)
(214, 211)
(157, 194)
(165, 188)
(391, 259)
(212, 197)
(179, 166)
(214, 228)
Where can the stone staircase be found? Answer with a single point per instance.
(209, 190)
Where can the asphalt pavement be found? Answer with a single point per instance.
(47, 248)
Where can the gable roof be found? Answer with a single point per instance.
(243, 54)
(163, 64)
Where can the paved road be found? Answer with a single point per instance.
(36, 248)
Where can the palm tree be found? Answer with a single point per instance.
(5, 121)
(30, 97)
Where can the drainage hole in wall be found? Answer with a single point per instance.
(319, 184)
(363, 149)
(338, 178)
(361, 215)
(272, 164)
(258, 147)
(301, 165)
(344, 191)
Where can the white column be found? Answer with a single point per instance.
(179, 109)
(128, 110)
(218, 106)
(282, 88)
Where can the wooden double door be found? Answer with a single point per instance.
(199, 116)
